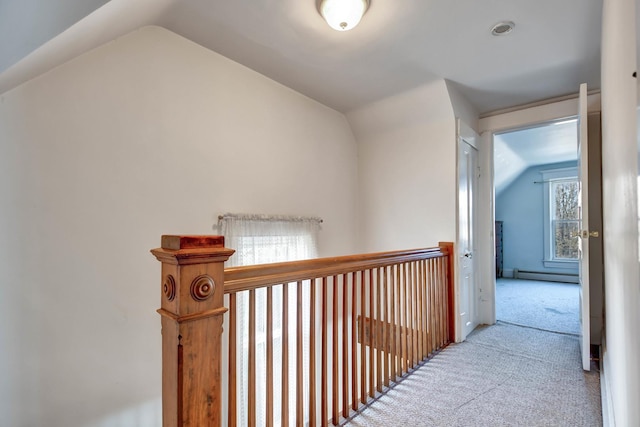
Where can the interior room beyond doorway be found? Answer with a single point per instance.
(537, 219)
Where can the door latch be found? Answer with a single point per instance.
(584, 234)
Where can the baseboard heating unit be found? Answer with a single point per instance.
(543, 275)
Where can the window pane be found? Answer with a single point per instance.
(566, 246)
(566, 200)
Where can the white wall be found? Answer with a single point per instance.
(484, 256)
(407, 169)
(620, 211)
(147, 135)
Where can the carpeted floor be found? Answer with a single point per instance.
(523, 371)
(545, 305)
(502, 375)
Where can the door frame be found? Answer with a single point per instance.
(504, 121)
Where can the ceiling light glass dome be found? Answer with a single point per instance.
(343, 15)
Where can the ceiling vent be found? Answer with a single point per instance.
(502, 28)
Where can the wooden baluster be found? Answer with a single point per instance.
(398, 324)
(312, 353)
(299, 358)
(251, 387)
(372, 329)
(407, 311)
(436, 309)
(443, 288)
(431, 307)
(411, 313)
(420, 311)
(427, 295)
(407, 318)
(345, 346)
(423, 291)
(324, 400)
(363, 347)
(436, 325)
(386, 326)
(192, 307)
(378, 329)
(285, 355)
(269, 385)
(418, 328)
(354, 342)
(444, 302)
(233, 361)
(401, 319)
(441, 308)
(414, 285)
(427, 306)
(334, 361)
(392, 325)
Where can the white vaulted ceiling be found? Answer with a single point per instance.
(399, 45)
(516, 151)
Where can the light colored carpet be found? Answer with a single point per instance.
(545, 305)
(503, 375)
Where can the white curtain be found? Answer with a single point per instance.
(260, 239)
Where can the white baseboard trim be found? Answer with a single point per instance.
(541, 275)
(608, 419)
(507, 272)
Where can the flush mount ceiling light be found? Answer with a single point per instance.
(502, 28)
(342, 15)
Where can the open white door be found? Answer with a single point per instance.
(585, 342)
(467, 199)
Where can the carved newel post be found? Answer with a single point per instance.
(192, 311)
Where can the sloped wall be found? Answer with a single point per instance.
(407, 169)
(150, 134)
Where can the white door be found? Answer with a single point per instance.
(585, 335)
(467, 195)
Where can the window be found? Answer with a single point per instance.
(260, 239)
(565, 220)
(561, 217)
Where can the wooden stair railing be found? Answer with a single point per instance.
(371, 320)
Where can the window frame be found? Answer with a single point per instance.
(548, 177)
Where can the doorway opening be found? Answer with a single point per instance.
(537, 225)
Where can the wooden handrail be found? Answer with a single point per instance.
(370, 318)
(244, 278)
